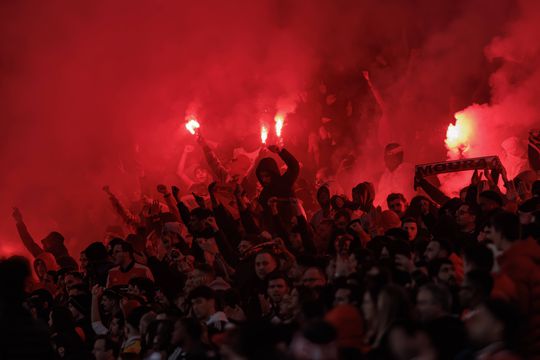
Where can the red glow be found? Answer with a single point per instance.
(459, 136)
(264, 134)
(192, 126)
(279, 119)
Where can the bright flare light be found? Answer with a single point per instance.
(279, 119)
(192, 126)
(458, 136)
(264, 134)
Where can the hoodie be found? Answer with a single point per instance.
(280, 186)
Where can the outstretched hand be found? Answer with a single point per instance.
(162, 189)
(175, 191)
(17, 215)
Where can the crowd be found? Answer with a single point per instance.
(252, 268)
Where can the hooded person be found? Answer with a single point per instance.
(397, 177)
(53, 243)
(275, 184)
(44, 262)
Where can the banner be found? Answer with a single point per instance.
(479, 163)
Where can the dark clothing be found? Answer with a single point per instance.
(281, 186)
(57, 247)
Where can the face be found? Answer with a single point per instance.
(167, 241)
(118, 254)
(412, 230)
(432, 251)
(323, 197)
(202, 308)
(264, 265)
(74, 311)
(368, 307)
(397, 206)
(392, 161)
(108, 304)
(313, 278)
(265, 177)
(464, 217)
(447, 274)
(342, 297)
(277, 289)
(41, 268)
(295, 240)
(201, 175)
(99, 350)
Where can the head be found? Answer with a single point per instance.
(346, 294)
(201, 175)
(122, 253)
(186, 330)
(342, 218)
(110, 301)
(105, 348)
(437, 249)
(323, 196)
(504, 230)
(133, 320)
(314, 277)
(265, 263)
(466, 216)
(267, 170)
(203, 302)
(393, 156)
(478, 257)
(72, 279)
(397, 203)
(489, 201)
(142, 287)
(363, 195)
(433, 301)
(475, 289)
(53, 242)
(494, 321)
(410, 225)
(278, 287)
(442, 271)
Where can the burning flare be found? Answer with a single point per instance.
(264, 134)
(279, 119)
(192, 126)
(458, 136)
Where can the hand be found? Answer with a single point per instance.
(475, 179)
(175, 191)
(199, 200)
(188, 149)
(365, 74)
(17, 215)
(274, 148)
(265, 305)
(262, 152)
(162, 189)
(97, 291)
(212, 187)
(511, 192)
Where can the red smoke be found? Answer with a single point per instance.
(96, 93)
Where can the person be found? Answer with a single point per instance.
(21, 335)
(204, 306)
(275, 184)
(314, 277)
(433, 301)
(52, 243)
(519, 261)
(132, 342)
(397, 203)
(398, 175)
(126, 268)
(278, 286)
(476, 288)
(493, 330)
(410, 225)
(105, 348)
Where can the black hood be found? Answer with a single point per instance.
(269, 165)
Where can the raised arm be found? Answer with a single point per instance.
(221, 174)
(293, 167)
(24, 234)
(169, 200)
(125, 214)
